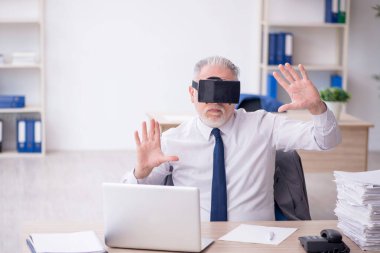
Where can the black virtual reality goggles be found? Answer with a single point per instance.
(216, 90)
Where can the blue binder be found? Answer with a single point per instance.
(37, 147)
(288, 52)
(328, 11)
(21, 136)
(26, 136)
(12, 101)
(331, 11)
(336, 81)
(335, 10)
(29, 135)
(271, 86)
(280, 50)
(272, 49)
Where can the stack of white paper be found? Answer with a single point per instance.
(358, 207)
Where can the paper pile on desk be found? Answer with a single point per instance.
(358, 207)
(76, 242)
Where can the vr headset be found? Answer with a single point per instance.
(215, 90)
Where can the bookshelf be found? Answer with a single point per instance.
(321, 47)
(22, 30)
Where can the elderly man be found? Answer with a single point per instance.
(230, 154)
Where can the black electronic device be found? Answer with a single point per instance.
(216, 90)
(329, 241)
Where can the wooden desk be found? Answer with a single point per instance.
(210, 230)
(350, 155)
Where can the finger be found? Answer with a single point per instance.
(144, 132)
(281, 81)
(303, 72)
(137, 139)
(292, 72)
(287, 107)
(283, 108)
(157, 132)
(286, 73)
(170, 159)
(151, 129)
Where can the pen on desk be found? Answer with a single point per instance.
(270, 235)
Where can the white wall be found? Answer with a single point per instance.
(110, 62)
(364, 62)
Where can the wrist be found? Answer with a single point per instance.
(318, 108)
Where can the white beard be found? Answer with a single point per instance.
(214, 123)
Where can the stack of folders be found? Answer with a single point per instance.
(280, 48)
(78, 242)
(335, 11)
(29, 136)
(358, 207)
(12, 101)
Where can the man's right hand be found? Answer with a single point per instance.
(149, 153)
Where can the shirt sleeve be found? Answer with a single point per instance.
(321, 133)
(156, 177)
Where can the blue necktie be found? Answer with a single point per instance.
(219, 189)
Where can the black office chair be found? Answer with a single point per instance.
(251, 105)
(290, 195)
(253, 102)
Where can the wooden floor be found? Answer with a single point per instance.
(66, 186)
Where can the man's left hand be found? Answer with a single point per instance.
(302, 91)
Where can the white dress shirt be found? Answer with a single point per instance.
(250, 142)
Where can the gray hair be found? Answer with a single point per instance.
(216, 60)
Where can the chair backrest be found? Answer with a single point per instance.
(253, 102)
(290, 195)
(251, 105)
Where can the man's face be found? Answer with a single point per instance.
(213, 114)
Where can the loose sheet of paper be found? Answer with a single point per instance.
(258, 234)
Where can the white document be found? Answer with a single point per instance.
(85, 241)
(365, 177)
(258, 234)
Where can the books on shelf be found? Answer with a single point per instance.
(358, 207)
(280, 48)
(12, 101)
(29, 136)
(78, 242)
(335, 11)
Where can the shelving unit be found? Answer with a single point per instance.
(321, 47)
(22, 29)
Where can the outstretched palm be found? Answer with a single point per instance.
(302, 91)
(149, 153)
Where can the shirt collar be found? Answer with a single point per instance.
(224, 129)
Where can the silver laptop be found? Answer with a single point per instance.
(152, 217)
